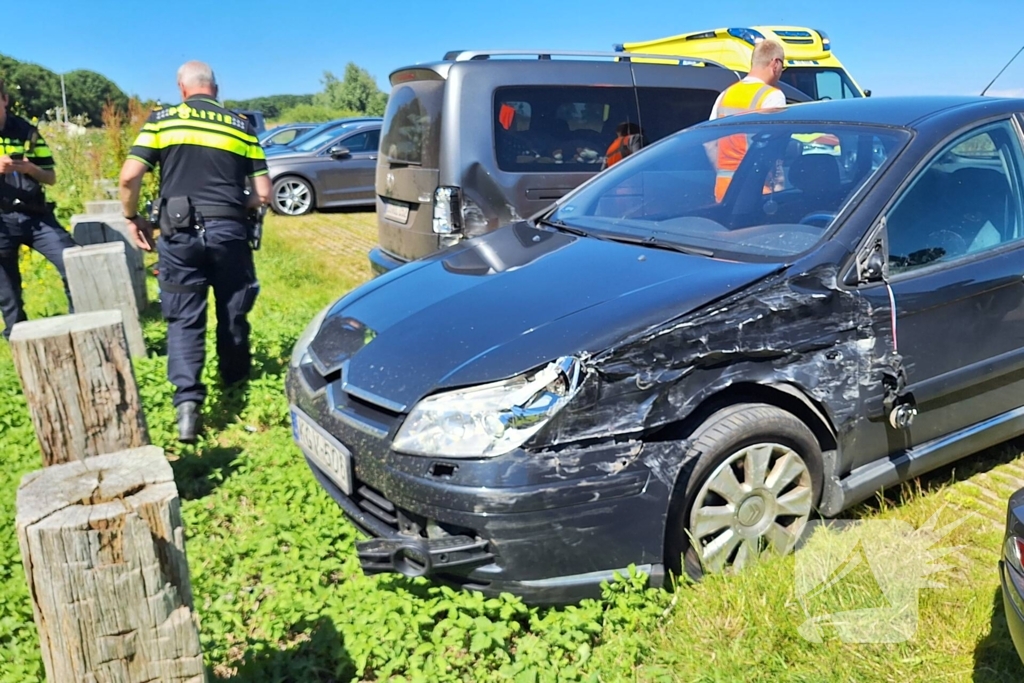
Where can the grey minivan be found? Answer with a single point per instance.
(481, 139)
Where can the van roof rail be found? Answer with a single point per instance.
(469, 55)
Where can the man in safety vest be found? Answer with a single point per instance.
(757, 91)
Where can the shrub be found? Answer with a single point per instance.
(313, 113)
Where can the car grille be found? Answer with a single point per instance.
(374, 503)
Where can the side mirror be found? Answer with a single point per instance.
(339, 152)
(872, 262)
(867, 93)
(873, 267)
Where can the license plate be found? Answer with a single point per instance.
(399, 213)
(332, 457)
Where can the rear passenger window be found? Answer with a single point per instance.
(966, 201)
(558, 129)
(668, 110)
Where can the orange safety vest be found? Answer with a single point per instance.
(617, 151)
(738, 98)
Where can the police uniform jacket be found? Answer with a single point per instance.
(18, 136)
(205, 152)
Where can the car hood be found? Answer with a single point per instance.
(506, 303)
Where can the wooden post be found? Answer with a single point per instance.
(104, 228)
(78, 382)
(99, 281)
(103, 206)
(104, 554)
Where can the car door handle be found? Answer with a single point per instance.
(373, 157)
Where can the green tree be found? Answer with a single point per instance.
(33, 88)
(357, 92)
(89, 91)
(272, 106)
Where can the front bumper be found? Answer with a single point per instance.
(382, 262)
(549, 527)
(1013, 604)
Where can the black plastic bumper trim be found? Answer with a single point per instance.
(416, 556)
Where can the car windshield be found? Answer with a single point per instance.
(820, 83)
(312, 142)
(755, 191)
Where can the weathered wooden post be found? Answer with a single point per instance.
(112, 227)
(104, 554)
(78, 381)
(99, 281)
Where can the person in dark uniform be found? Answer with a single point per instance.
(26, 164)
(206, 155)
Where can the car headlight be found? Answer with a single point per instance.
(301, 348)
(491, 419)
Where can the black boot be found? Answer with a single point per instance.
(188, 421)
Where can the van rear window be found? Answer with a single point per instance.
(558, 129)
(412, 123)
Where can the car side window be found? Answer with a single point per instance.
(355, 143)
(549, 129)
(967, 200)
(372, 141)
(284, 137)
(668, 110)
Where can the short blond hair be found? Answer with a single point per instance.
(765, 53)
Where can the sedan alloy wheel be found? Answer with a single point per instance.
(292, 196)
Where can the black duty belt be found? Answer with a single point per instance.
(212, 211)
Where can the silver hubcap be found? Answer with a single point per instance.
(759, 499)
(292, 197)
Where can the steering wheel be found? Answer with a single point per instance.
(818, 219)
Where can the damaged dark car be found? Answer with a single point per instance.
(647, 375)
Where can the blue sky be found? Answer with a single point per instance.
(259, 47)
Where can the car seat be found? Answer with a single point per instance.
(817, 178)
(978, 200)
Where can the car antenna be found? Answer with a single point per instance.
(1002, 70)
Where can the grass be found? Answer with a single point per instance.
(281, 597)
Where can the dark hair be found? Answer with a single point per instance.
(3, 87)
(627, 128)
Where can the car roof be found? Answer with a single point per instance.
(902, 111)
(494, 59)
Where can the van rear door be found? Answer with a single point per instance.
(407, 166)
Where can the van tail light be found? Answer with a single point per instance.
(1014, 551)
(447, 211)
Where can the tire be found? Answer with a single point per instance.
(292, 196)
(731, 526)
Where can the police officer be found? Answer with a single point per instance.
(205, 153)
(25, 217)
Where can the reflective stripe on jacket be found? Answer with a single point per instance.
(738, 98)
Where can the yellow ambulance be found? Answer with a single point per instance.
(811, 66)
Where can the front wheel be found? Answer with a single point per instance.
(292, 196)
(755, 484)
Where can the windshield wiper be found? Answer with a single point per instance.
(655, 243)
(560, 225)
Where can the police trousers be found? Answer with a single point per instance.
(43, 234)
(191, 262)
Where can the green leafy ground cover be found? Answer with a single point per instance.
(281, 597)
